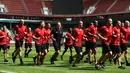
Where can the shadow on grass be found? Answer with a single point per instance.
(29, 64)
(5, 63)
(64, 64)
(82, 68)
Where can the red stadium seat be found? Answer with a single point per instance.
(34, 6)
(88, 3)
(102, 6)
(14, 6)
(120, 6)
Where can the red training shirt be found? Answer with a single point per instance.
(47, 35)
(106, 32)
(116, 40)
(126, 33)
(69, 40)
(92, 30)
(28, 37)
(2, 40)
(38, 33)
(78, 35)
(20, 32)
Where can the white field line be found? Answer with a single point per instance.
(5, 71)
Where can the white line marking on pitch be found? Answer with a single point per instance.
(5, 71)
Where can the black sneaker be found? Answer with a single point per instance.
(122, 63)
(61, 57)
(121, 67)
(71, 59)
(13, 54)
(5, 60)
(115, 60)
(21, 62)
(110, 60)
(55, 59)
(127, 64)
(73, 65)
(52, 61)
(34, 60)
(13, 59)
(41, 60)
(27, 55)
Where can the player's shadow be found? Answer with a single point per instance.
(82, 68)
(28, 64)
(63, 64)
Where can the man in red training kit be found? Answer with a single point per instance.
(47, 37)
(3, 35)
(125, 32)
(38, 36)
(68, 44)
(105, 35)
(19, 37)
(78, 34)
(92, 37)
(115, 44)
(28, 42)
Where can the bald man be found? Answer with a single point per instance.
(19, 37)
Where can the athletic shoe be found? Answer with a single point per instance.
(61, 57)
(12, 54)
(127, 64)
(121, 67)
(110, 60)
(73, 65)
(5, 60)
(122, 63)
(13, 59)
(27, 55)
(115, 60)
(21, 62)
(41, 60)
(52, 61)
(97, 67)
(71, 59)
(34, 60)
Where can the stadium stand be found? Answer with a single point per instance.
(103, 5)
(14, 6)
(34, 7)
(120, 6)
(88, 3)
(48, 4)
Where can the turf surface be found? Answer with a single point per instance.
(58, 67)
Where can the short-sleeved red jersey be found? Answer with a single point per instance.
(106, 32)
(20, 32)
(28, 37)
(78, 35)
(39, 34)
(93, 30)
(3, 40)
(69, 40)
(47, 35)
(126, 33)
(116, 40)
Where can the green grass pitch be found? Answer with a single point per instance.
(58, 67)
